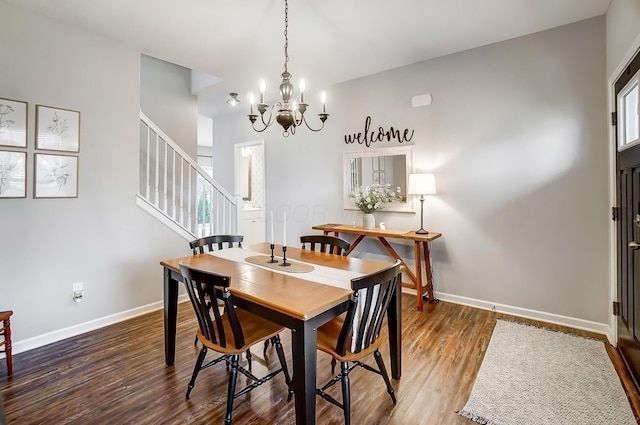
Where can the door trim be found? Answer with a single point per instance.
(634, 49)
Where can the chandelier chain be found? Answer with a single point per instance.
(286, 37)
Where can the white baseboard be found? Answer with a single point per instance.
(59, 335)
(586, 325)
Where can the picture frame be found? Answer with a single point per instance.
(57, 129)
(13, 176)
(13, 123)
(55, 176)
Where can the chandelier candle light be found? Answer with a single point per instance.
(289, 114)
(422, 184)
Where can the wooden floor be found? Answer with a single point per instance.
(117, 375)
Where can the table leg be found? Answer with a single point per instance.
(354, 244)
(418, 260)
(394, 325)
(428, 272)
(304, 340)
(170, 316)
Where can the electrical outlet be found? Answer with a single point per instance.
(78, 291)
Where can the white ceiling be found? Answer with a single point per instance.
(330, 41)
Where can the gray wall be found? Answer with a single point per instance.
(623, 28)
(101, 238)
(165, 97)
(517, 137)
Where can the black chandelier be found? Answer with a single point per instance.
(289, 113)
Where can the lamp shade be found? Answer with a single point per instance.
(422, 184)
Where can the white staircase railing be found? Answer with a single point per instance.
(183, 194)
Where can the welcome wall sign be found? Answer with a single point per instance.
(368, 137)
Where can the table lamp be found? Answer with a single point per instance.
(421, 184)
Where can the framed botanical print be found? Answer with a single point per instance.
(13, 182)
(56, 176)
(57, 129)
(13, 123)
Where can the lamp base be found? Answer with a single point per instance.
(422, 232)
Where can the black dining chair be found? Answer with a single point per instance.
(334, 244)
(354, 335)
(215, 242)
(229, 334)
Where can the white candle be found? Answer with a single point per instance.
(284, 236)
(263, 88)
(272, 240)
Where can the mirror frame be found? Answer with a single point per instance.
(347, 156)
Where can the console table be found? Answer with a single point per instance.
(421, 256)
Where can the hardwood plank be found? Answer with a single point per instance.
(117, 375)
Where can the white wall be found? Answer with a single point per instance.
(165, 97)
(101, 238)
(623, 30)
(517, 135)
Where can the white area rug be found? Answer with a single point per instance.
(536, 376)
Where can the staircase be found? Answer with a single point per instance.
(175, 190)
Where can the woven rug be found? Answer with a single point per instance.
(536, 376)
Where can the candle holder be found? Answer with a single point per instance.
(273, 260)
(284, 257)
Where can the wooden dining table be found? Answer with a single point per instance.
(287, 299)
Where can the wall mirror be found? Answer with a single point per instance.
(378, 166)
(245, 177)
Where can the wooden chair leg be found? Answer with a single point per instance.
(283, 361)
(196, 370)
(7, 346)
(249, 358)
(346, 393)
(233, 374)
(385, 376)
(266, 345)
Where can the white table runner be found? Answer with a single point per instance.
(320, 274)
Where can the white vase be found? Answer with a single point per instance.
(368, 221)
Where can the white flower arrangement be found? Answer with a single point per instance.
(374, 197)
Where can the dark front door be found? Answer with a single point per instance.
(628, 197)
